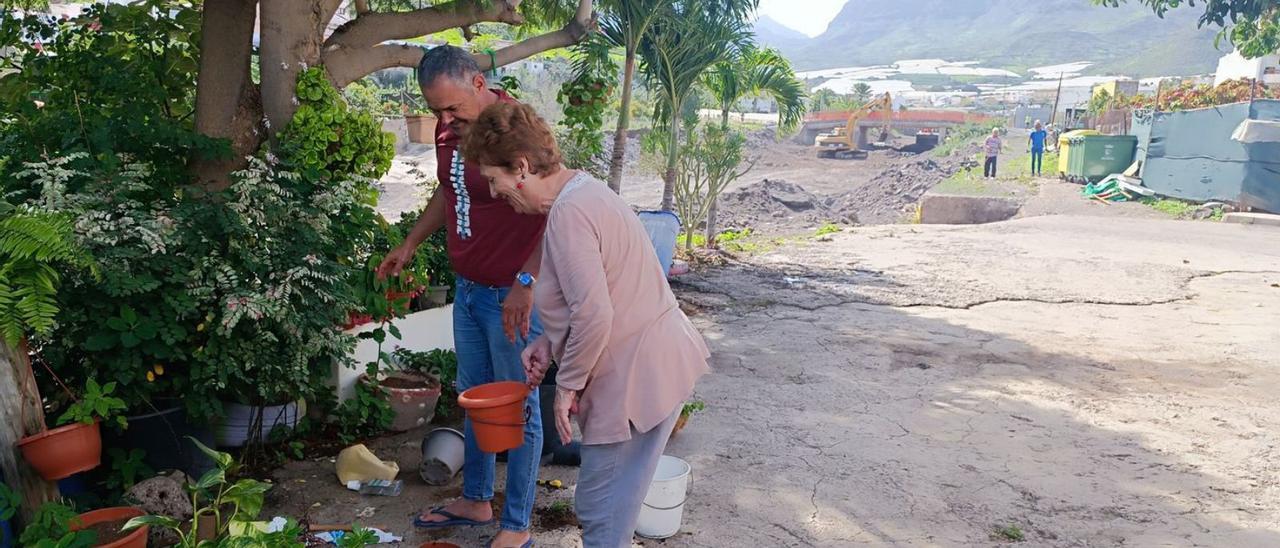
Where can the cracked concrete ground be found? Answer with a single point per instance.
(1095, 382)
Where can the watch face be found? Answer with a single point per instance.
(525, 279)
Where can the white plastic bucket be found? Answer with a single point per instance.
(663, 508)
(663, 228)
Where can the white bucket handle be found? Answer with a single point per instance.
(682, 501)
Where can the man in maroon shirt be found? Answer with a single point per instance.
(495, 253)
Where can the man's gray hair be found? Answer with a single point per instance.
(451, 61)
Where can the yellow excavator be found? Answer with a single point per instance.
(842, 143)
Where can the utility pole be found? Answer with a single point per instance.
(1053, 117)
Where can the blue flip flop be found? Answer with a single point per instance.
(453, 520)
(527, 543)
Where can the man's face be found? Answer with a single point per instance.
(456, 103)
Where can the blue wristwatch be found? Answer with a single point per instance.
(526, 279)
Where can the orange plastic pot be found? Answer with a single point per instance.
(59, 453)
(136, 538)
(497, 414)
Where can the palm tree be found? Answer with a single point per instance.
(754, 71)
(757, 71)
(688, 37)
(623, 23)
(862, 92)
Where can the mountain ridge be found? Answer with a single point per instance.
(1012, 34)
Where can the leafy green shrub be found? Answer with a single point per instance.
(118, 81)
(827, 228)
(51, 528)
(136, 317)
(585, 99)
(31, 244)
(328, 137)
(215, 495)
(366, 414)
(96, 403)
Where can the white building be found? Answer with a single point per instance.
(1234, 67)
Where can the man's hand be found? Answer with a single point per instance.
(395, 261)
(517, 311)
(566, 405)
(537, 359)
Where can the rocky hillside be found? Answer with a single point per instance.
(1014, 34)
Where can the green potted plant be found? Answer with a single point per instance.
(431, 263)
(440, 364)
(33, 244)
(411, 388)
(56, 525)
(77, 446)
(217, 503)
(690, 408)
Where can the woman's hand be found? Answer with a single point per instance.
(537, 359)
(566, 405)
(517, 312)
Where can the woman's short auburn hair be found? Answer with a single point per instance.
(506, 132)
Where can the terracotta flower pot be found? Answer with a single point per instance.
(497, 413)
(58, 453)
(108, 519)
(422, 128)
(412, 396)
(680, 422)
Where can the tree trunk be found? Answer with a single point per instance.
(290, 42)
(228, 105)
(21, 414)
(618, 162)
(673, 156)
(712, 229)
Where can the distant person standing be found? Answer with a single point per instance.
(992, 147)
(1037, 140)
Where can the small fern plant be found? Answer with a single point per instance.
(33, 244)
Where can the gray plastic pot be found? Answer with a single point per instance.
(443, 453)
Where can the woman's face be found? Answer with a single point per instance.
(507, 185)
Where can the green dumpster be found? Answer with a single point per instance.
(1094, 157)
(1064, 147)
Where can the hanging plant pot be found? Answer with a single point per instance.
(422, 128)
(59, 453)
(108, 522)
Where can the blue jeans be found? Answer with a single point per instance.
(1037, 161)
(485, 355)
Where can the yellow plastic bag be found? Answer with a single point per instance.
(360, 464)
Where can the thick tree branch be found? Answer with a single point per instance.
(569, 35)
(377, 27)
(348, 65)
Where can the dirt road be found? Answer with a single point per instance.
(1091, 383)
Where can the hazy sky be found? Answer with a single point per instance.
(807, 16)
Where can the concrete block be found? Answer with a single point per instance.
(948, 209)
(1252, 219)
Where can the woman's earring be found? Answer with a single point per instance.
(520, 185)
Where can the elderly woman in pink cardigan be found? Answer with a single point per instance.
(627, 356)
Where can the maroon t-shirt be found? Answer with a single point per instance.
(488, 241)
